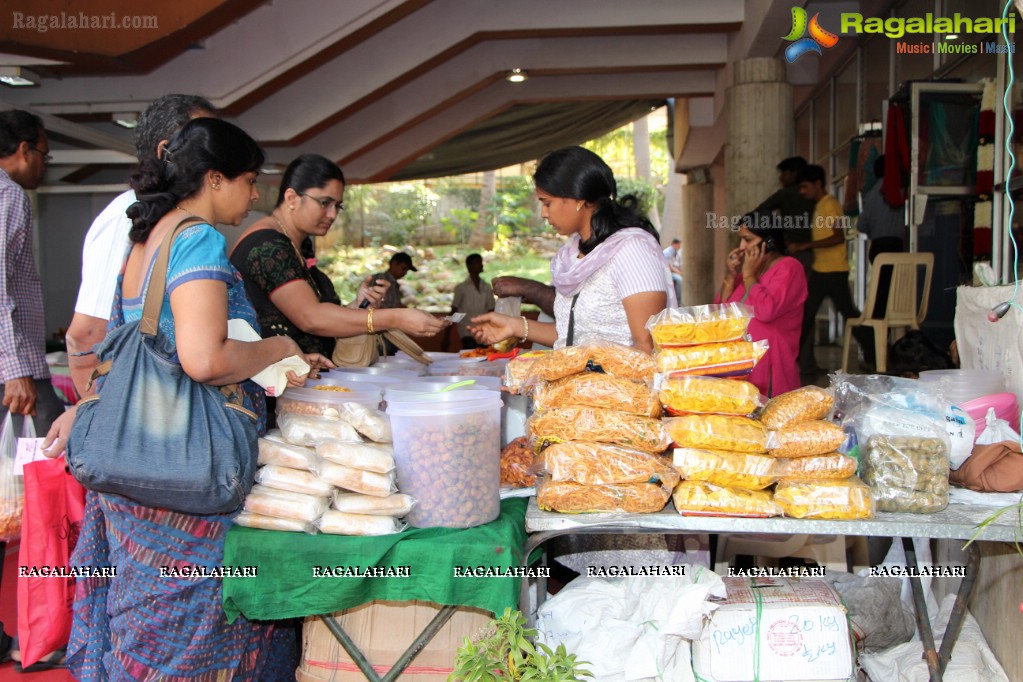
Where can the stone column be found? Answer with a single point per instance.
(697, 239)
(761, 131)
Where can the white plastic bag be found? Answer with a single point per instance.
(12, 486)
(995, 431)
(632, 628)
(961, 432)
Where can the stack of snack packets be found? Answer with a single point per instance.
(330, 468)
(597, 431)
(720, 452)
(706, 340)
(814, 479)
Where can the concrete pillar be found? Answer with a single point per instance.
(697, 239)
(761, 131)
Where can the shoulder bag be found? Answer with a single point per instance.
(151, 433)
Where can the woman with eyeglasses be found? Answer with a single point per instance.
(293, 298)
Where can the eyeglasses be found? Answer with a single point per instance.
(46, 157)
(325, 202)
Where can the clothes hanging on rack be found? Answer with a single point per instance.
(863, 150)
(896, 160)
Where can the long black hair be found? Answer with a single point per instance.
(202, 145)
(577, 173)
(308, 171)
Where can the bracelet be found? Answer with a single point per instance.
(369, 321)
(525, 328)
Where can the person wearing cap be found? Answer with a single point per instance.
(400, 264)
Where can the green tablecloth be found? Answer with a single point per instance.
(285, 586)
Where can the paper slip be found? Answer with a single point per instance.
(29, 450)
(455, 318)
(274, 378)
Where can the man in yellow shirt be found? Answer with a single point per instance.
(829, 275)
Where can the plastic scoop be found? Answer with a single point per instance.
(451, 387)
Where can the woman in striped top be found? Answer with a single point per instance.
(610, 276)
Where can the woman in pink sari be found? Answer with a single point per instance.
(760, 275)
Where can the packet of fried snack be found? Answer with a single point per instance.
(707, 395)
(604, 464)
(603, 356)
(718, 432)
(801, 405)
(807, 439)
(846, 499)
(731, 469)
(696, 325)
(632, 498)
(831, 467)
(597, 426)
(699, 498)
(592, 389)
(729, 359)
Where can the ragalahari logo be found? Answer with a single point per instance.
(819, 37)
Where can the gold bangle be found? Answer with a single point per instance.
(525, 328)
(369, 322)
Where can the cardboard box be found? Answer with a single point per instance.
(797, 628)
(383, 630)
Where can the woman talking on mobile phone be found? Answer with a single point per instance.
(760, 275)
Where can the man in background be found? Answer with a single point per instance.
(788, 209)
(398, 267)
(472, 297)
(24, 374)
(106, 243)
(673, 257)
(829, 274)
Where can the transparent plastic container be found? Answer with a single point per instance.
(431, 384)
(447, 449)
(401, 365)
(326, 403)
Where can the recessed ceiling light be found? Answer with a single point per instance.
(952, 36)
(517, 76)
(18, 76)
(127, 119)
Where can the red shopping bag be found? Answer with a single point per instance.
(54, 508)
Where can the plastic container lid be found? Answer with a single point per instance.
(468, 367)
(345, 376)
(439, 381)
(436, 356)
(401, 392)
(451, 402)
(317, 400)
(401, 365)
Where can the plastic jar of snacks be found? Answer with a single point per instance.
(447, 449)
(325, 399)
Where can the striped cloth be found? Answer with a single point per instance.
(140, 625)
(22, 324)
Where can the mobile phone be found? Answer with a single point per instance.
(769, 244)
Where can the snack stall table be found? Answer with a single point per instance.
(290, 581)
(957, 522)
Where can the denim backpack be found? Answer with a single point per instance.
(151, 433)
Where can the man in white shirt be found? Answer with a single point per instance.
(673, 257)
(106, 243)
(472, 297)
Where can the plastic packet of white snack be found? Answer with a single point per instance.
(396, 504)
(378, 457)
(252, 520)
(284, 505)
(340, 523)
(293, 480)
(373, 424)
